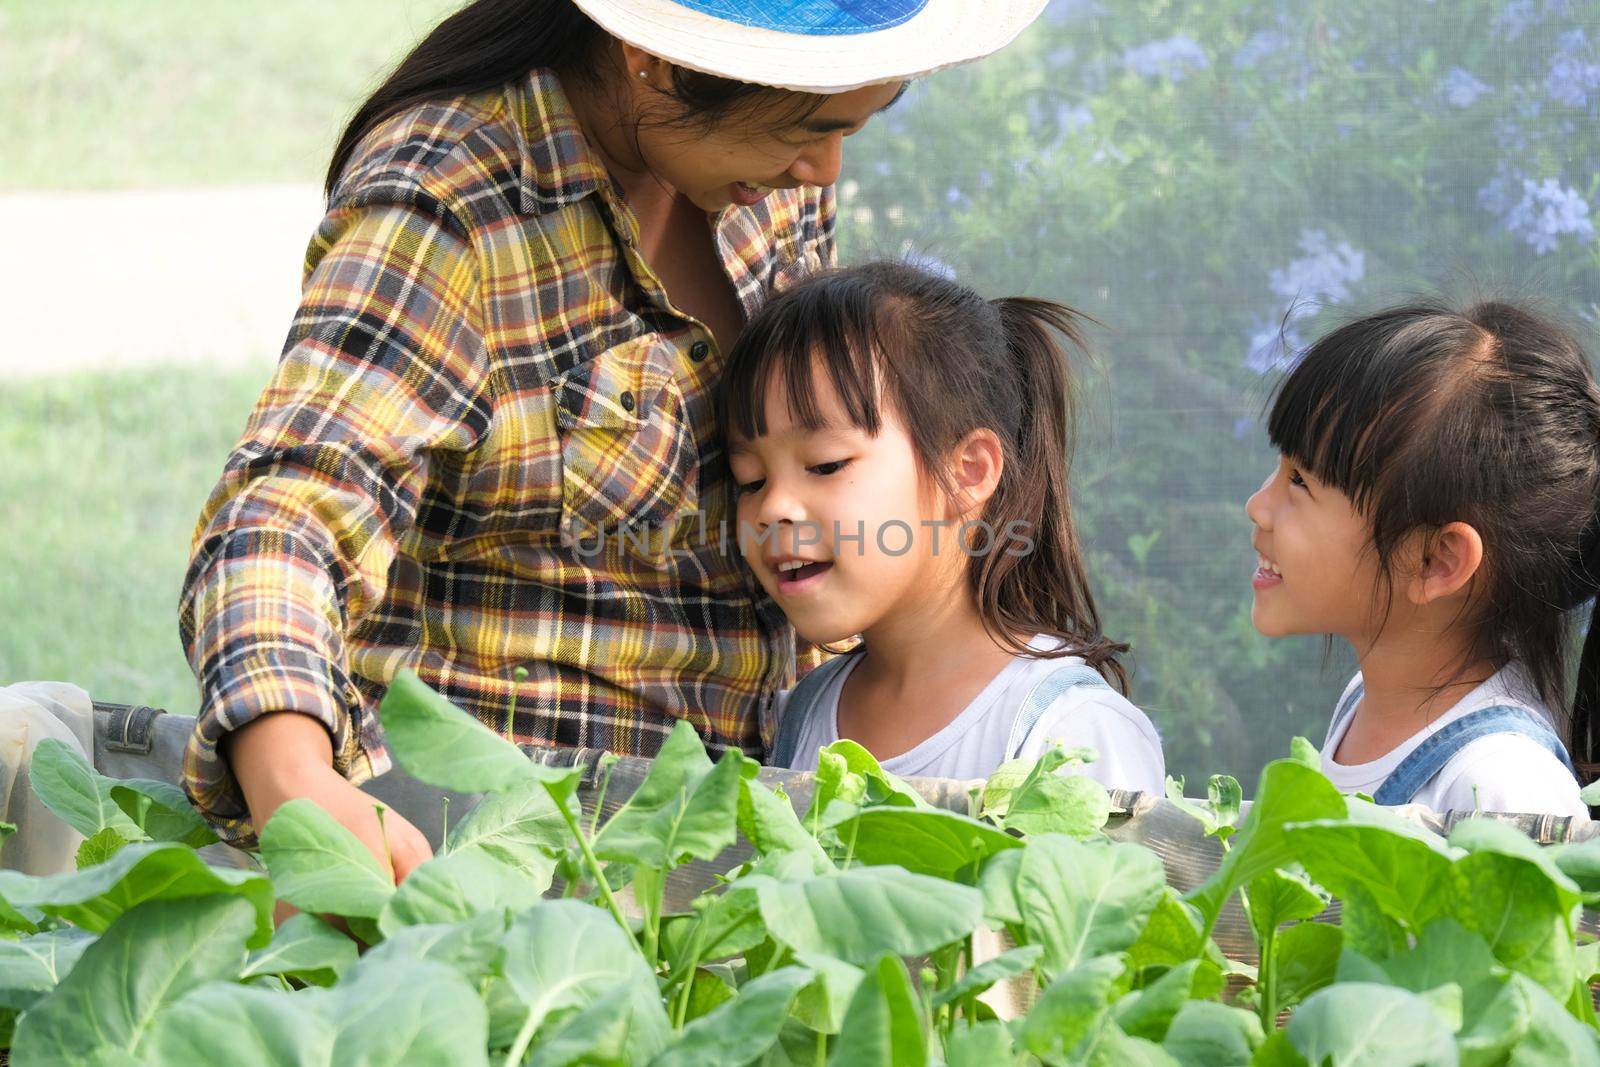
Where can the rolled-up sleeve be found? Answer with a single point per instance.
(385, 371)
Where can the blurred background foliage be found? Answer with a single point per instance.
(1213, 182)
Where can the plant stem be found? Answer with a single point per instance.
(519, 1047)
(822, 1049)
(594, 868)
(1267, 981)
(444, 833)
(610, 760)
(388, 857)
(521, 675)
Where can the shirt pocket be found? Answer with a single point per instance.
(628, 452)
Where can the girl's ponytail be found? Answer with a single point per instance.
(1034, 577)
(1586, 701)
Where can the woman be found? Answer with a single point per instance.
(543, 231)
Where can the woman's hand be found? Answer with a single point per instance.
(283, 756)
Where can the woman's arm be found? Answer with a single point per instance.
(385, 370)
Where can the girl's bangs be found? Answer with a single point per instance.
(829, 326)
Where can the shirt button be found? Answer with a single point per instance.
(627, 400)
(699, 351)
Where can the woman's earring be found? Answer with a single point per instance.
(644, 74)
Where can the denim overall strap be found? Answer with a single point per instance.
(1342, 712)
(797, 712)
(1043, 694)
(1428, 758)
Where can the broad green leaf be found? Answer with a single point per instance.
(1367, 929)
(1012, 774)
(520, 827)
(685, 808)
(1081, 900)
(768, 821)
(99, 848)
(1554, 1038)
(1580, 861)
(438, 743)
(1485, 835)
(1523, 915)
(848, 774)
(162, 811)
(319, 866)
(149, 870)
(823, 1003)
(938, 843)
(722, 925)
(709, 989)
(35, 965)
(998, 884)
(1307, 958)
(304, 947)
(1072, 804)
(471, 947)
(77, 792)
(408, 1013)
(884, 1022)
(160, 950)
(1148, 1012)
(1001, 968)
(1172, 935)
(562, 954)
(742, 1029)
(1282, 896)
(1070, 1008)
(1109, 1046)
(1208, 1034)
(984, 1045)
(859, 914)
(1290, 792)
(459, 885)
(1401, 867)
(626, 1024)
(1303, 751)
(1358, 1024)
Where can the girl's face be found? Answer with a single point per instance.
(742, 160)
(831, 520)
(1316, 573)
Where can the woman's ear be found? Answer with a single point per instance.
(976, 464)
(1450, 558)
(645, 69)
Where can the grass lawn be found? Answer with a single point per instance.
(103, 478)
(104, 94)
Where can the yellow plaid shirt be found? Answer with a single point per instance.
(489, 444)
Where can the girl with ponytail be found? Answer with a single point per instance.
(1435, 504)
(901, 449)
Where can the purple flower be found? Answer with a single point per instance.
(1325, 272)
(1263, 44)
(1172, 58)
(1461, 89)
(1271, 346)
(1547, 212)
(1574, 73)
(1515, 18)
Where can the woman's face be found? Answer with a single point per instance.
(757, 149)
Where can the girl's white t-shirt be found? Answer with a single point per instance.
(1500, 772)
(974, 743)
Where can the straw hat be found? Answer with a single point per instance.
(816, 46)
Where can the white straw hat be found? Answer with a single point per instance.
(816, 46)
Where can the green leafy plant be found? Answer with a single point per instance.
(848, 933)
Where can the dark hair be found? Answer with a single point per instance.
(1424, 415)
(490, 43)
(949, 362)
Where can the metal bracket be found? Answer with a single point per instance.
(131, 727)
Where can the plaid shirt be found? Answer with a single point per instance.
(484, 384)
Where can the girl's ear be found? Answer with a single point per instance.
(1450, 559)
(976, 464)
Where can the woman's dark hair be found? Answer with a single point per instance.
(1424, 415)
(948, 362)
(490, 43)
